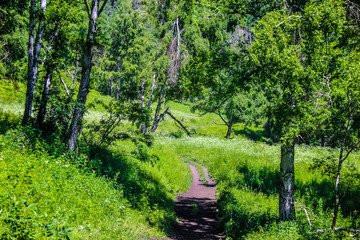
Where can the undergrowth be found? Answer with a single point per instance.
(247, 176)
(115, 195)
(145, 180)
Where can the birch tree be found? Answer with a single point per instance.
(94, 11)
(296, 52)
(34, 47)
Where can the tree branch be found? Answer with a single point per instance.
(63, 82)
(227, 124)
(87, 8)
(102, 7)
(183, 127)
(337, 229)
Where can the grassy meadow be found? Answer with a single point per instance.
(127, 191)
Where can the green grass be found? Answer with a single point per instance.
(124, 192)
(247, 174)
(245, 168)
(38, 190)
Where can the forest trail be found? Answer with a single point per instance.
(196, 211)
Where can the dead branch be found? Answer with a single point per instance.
(289, 18)
(174, 52)
(176, 120)
(307, 216)
(161, 117)
(338, 229)
(63, 82)
(76, 69)
(322, 94)
(87, 143)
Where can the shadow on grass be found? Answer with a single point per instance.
(318, 193)
(183, 103)
(321, 194)
(241, 216)
(263, 179)
(259, 135)
(140, 187)
(239, 219)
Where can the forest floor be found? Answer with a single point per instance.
(196, 211)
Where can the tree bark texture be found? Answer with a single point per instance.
(157, 117)
(229, 130)
(44, 97)
(341, 161)
(75, 73)
(111, 87)
(118, 91)
(176, 120)
(287, 188)
(337, 190)
(33, 55)
(78, 114)
(152, 91)
(142, 98)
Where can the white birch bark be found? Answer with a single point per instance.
(33, 55)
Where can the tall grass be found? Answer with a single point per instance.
(247, 174)
(44, 197)
(147, 180)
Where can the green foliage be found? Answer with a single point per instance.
(8, 121)
(64, 197)
(23, 223)
(247, 181)
(11, 91)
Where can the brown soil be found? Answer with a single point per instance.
(196, 211)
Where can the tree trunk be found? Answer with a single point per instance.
(337, 190)
(75, 73)
(44, 97)
(33, 56)
(144, 127)
(158, 108)
(78, 114)
(118, 93)
(152, 91)
(111, 87)
(142, 98)
(287, 188)
(341, 161)
(229, 130)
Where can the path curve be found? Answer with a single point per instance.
(196, 211)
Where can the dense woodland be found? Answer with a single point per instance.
(103, 102)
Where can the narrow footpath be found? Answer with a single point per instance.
(196, 211)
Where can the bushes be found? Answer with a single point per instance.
(8, 121)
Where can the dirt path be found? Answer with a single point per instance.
(196, 211)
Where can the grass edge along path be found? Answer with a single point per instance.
(196, 210)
